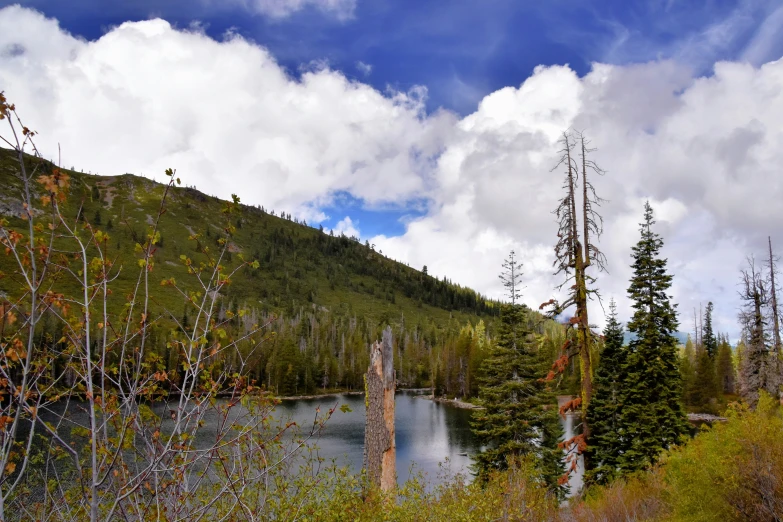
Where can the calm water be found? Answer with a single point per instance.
(432, 438)
(427, 432)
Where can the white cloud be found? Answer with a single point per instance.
(146, 96)
(347, 227)
(364, 68)
(341, 9)
(704, 151)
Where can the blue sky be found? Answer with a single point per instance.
(460, 50)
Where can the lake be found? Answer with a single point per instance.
(428, 433)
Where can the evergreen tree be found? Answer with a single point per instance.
(520, 412)
(725, 367)
(688, 371)
(520, 415)
(604, 411)
(709, 340)
(705, 385)
(652, 411)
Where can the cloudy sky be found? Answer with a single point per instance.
(430, 128)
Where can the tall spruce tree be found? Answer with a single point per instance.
(605, 410)
(520, 412)
(653, 415)
(708, 335)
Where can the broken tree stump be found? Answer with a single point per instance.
(379, 445)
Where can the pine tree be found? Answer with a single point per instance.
(580, 225)
(725, 367)
(520, 414)
(754, 360)
(604, 411)
(652, 411)
(705, 385)
(709, 340)
(688, 371)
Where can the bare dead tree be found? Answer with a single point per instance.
(754, 294)
(576, 250)
(774, 373)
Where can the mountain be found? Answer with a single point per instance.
(298, 265)
(323, 298)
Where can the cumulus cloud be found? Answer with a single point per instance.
(146, 96)
(704, 150)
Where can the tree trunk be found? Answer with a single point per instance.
(379, 444)
(583, 343)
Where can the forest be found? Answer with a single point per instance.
(152, 306)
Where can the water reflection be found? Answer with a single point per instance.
(427, 433)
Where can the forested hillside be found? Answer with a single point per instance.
(322, 297)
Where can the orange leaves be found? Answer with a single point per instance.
(5, 420)
(56, 184)
(10, 467)
(160, 376)
(571, 405)
(16, 350)
(548, 303)
(4, 108)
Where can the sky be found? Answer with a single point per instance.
(430, 128)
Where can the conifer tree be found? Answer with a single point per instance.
(520, 413)
(604, 411)
(688, 370)
(705, 385)
(652, 411)
(708, 335)
(725, 367)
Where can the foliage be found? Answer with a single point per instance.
(96, 422)
(605, 410)
(519, 415)
(732, 471)
(653, 414)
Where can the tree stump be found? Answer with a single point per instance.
(379, 444)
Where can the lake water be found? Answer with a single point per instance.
(432, 438)
(428, 433)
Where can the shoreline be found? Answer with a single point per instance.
(335, 393)
(456, 403)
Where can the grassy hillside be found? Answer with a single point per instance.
(300, 266)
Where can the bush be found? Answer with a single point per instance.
(731, 471)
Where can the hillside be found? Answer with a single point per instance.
(298, 265)
(323, 297)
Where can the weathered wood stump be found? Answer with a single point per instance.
(379, 445)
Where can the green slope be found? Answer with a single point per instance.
(300, 266)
